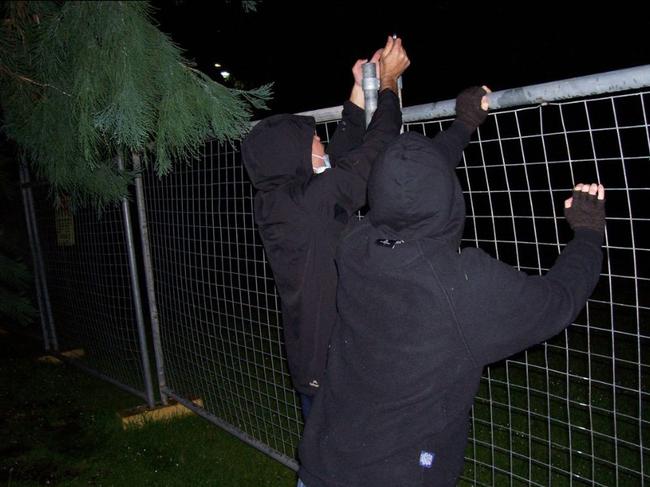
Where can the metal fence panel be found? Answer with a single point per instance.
(573, 411)
(217, 304)
(88, 281)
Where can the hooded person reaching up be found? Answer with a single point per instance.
(418, 320)
(302, 206)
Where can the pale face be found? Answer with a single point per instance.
(317, 148)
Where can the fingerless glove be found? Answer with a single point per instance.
(468, 107)
(586, 211)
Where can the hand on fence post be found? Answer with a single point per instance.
(393, 62)
(358, 96)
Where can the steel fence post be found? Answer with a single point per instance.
(42, 292)
(370, 86)
(149, 278)
(135, 289)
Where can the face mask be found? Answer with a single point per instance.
(326, 160)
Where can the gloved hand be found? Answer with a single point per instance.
(469, 107)
(586, 208)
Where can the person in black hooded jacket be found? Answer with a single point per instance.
(418, 320)
(301, 210)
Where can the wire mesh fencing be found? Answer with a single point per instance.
(220, 323)
(569, 412)
(572, 411)
(91, 293)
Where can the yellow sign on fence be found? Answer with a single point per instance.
(64, 227)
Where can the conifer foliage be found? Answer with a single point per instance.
(83, 82)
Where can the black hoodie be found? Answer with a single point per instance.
(418, 321)
(300, 216)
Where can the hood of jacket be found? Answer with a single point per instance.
(414, 193)
(278, 150)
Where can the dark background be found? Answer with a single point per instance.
(307, 48)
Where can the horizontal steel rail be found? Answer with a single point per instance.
(595, 84)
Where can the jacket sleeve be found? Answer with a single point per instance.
(346, 183)
(349, 132)
(507, 311)
(452, 142)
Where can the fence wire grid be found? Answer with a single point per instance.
(219, 312)
(572, 411)
(91, 295)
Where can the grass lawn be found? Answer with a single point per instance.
(59, 426)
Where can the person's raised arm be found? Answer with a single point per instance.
(505, 311)
(356, 96)
(346, 183)
(387, 119)
(393, 61)
(353, 170)
(350, 130)
(471, 111)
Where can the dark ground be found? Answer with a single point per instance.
(59, 426)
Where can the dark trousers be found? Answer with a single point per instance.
(306, 403)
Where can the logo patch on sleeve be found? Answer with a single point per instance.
(426, 458)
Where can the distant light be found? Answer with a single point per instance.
(217, 65)
(225, 74)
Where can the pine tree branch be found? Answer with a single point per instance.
(127, 93)
(4, 69)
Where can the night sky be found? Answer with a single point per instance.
(307, 48)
